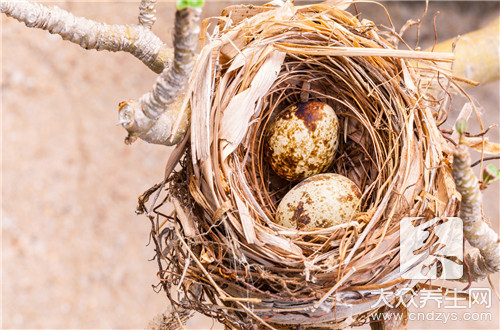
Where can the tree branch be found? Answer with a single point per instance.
(476, 54)
(486, 259)
(151, 117)
(135, 39)
(147, 13)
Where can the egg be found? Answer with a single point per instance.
(302, 140)
(321, 201)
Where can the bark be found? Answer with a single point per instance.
(147, 13)
(153, 116)
(137, 40)
(485, 259)
(476, 54)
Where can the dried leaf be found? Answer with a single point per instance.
(186, 222)
(205, 257)
(200, 107)
(242, 107)
(280, 242)
(238, 13)
(478, 144)
(246, 220)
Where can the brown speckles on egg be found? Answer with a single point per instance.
(356, 189)
(302, 140)
(311, 114)
(299, 216)
(321, 201)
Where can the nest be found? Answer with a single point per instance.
(219, 250)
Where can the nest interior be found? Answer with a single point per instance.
(220, 251)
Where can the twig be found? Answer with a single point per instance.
(221, 293)
(484, 160)
(135, 39)
(334, 288)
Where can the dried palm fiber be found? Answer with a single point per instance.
(219, 251)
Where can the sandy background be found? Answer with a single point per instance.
(74, 254)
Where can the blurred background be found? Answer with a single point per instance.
(74, 254)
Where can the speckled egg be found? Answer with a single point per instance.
(302, 140)
(321, 201)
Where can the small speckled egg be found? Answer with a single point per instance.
(302, 140)
(321, 201)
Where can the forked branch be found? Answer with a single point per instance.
(152, 117)
(138, 40)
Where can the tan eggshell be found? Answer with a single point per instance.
(302, 140)
(321, 201)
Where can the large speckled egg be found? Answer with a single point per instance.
(321, 201)
(302, 140)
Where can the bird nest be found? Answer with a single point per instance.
(219, 249)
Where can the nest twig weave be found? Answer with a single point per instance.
(219, 251)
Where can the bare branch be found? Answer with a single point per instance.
(175, 79)
(166, 101)
(135, 39)
(147, 13)
(486, 259)
(476, 54)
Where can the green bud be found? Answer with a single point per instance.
(461, 126)
(181, 4)
(490, 174)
